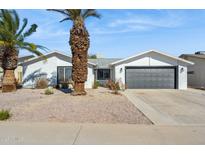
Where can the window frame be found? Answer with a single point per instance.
(103, 76)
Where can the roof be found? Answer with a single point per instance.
(202, 56)
(48, 55)
(103, 62)
(154, 51)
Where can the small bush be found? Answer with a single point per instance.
(96, 84)
(114, 86)
(117, 86)
(41, 83)
(109, 84)
(49, 91)
(4, 114)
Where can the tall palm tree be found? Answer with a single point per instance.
(79, 42)
(12, 39)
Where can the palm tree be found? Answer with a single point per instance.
(12, 39)
(79, 42)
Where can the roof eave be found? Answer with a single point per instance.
(50, 54)
(176, 58)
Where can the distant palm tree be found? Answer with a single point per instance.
(79, 42)
(12, 39)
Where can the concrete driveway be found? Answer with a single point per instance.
(170, 107)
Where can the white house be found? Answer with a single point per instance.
(55, 66)
(149, 70)
(196, 72)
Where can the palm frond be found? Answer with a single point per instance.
(12, 35)
(5, 35)
(16, 19)
(9, 20)
(31, 30)
(36, 52)
(25, 22)
(74, 13)
(67, 18)
(58, 10)
(90, 13)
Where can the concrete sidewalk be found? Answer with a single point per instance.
(66, 133)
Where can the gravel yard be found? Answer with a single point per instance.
(98, 106)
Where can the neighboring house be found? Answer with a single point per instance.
(149, 70)
(196, 72)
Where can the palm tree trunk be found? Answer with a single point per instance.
(9, 81)
(79, 41)
(9, 64)
(79, 88)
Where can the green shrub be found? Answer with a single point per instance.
(49, 91)
(96, 84)
(4, 114)
(41, 83)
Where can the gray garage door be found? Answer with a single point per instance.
(151, 78)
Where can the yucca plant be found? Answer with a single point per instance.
(79, 42)
(12, 39)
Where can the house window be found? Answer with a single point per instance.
(103, 74)
(64, 74)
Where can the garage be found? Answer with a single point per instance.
(151, 70)
(151, 77)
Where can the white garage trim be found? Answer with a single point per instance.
(146, 52)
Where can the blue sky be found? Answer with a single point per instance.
(122, 33)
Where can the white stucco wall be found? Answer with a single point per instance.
(182, 76)
(49, 67)
(152, 59)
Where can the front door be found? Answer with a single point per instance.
(64, 74)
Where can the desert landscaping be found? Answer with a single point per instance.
(98, 106)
